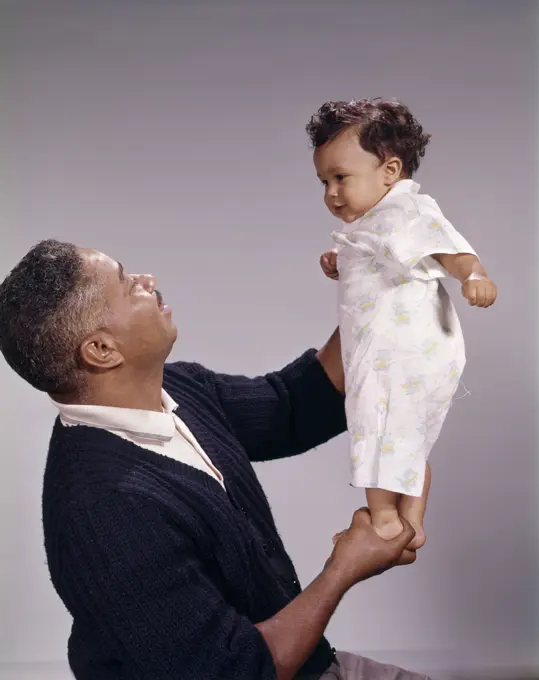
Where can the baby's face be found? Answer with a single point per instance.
(354, 179)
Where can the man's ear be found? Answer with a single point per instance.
(100, 350)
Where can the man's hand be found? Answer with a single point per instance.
(328, 262)
(360, 553)
(480, 292)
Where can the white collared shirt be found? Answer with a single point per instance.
(164, 433)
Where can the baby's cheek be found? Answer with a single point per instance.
(355, 196)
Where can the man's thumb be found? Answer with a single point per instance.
(406, 535)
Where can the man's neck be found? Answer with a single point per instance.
(141, 392)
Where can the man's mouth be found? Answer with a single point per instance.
(162, 306)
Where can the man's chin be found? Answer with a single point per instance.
(173, 336)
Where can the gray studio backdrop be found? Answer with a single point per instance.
(171, 136)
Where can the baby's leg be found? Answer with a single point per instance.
(413, 509)
(384, 512)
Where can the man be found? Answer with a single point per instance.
(159, 538)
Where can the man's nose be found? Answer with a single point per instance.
(147, 281)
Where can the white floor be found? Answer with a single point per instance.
(439, 668)
(35, 671)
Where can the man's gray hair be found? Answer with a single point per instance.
(48, 305)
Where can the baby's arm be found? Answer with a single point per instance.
(477, 288)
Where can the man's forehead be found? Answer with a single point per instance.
(101, 263)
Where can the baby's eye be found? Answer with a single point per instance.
(339, 177)
(323, 182)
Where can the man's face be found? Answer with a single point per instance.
(136, 317)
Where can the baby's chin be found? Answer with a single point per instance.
(350, 219)
(348, 216)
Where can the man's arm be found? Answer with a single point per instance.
(289, 411)
(359, 554)
(331, 359)
(126, 573)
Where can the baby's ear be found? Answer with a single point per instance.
(392, 170)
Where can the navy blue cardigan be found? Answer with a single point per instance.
(163, 572)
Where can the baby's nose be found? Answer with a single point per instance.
(332, 191)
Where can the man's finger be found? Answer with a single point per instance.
(403, 539)
(361, 516)
(407, 557)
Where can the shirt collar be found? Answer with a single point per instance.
(144, 424)
(403, 186)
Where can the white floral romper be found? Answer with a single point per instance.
(402, 344)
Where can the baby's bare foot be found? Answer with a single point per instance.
(411, 509)
(387, 528)
(419, 540)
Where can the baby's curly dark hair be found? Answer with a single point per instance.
(385, 128)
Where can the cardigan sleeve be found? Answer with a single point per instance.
(283, 413)
(126, 574)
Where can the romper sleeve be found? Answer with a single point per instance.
(417, 232)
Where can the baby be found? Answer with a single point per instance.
(402, 344)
